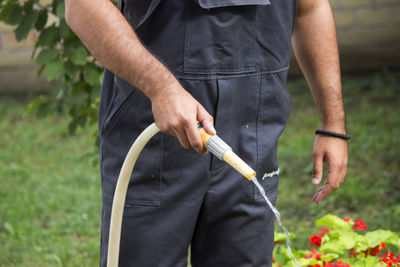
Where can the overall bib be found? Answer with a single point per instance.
(233, 57)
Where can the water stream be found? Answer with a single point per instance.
(278, 218)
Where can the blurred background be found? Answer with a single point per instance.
(50, 196)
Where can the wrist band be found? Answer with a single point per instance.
(334, 134)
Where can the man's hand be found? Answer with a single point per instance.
(110, 38)
(176, 113)
(332, 151)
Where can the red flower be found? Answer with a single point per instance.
(372, 251)
(390, 259)
(347, 219)
(383, 245)
(315, 240)
(336, 264)
(361, 225)
(353, 253)
(323, 230)
(314, 254)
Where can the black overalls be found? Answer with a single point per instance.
(233, 57)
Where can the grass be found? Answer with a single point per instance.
(50, 198)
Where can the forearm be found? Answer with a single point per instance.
(110, 38)
(315, 47)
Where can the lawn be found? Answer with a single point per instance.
(50, 199)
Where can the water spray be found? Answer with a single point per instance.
(215, 146)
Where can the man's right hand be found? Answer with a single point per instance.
(176, 113)
(110, 38)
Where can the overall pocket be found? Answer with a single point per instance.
(220, 36)
(274, 110)
(129, 117)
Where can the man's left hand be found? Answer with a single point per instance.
(332, 151)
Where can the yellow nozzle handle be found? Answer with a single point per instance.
(204, 136)
(238, 164)
(223, 151)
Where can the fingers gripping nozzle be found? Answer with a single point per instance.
(224, 152)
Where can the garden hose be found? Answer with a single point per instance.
(213, 143)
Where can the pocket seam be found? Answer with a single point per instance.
(134, 202)
(111, 105)
(112, 117)
(282, 87)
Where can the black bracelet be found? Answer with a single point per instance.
(334, 134)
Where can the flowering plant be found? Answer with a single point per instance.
(343, 243)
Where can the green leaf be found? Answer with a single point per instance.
(282, 237)
(60, 10)
(55, 4)
(375, 238)
(333, 221)
(79, 87)
(78, 56)
(70, 69)
(41, 20)
(28, 6)
(92, 74)
(308, 262)
(41, 69)
(35, 104)
(54, 70)
(349, 239)
(44, 108)
(48, 36)
(5, 14)
(26, 25)
(42, 105)
(368, 262)
(46, 55)
(334, 246)
(64, 29)
(16, 15)
(329, 256)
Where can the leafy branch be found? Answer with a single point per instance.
(74, 73)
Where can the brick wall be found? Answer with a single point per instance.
(368, 34)
(17, 72)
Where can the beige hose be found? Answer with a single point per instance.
(120, 193)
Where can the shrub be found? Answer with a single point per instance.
(343, 243)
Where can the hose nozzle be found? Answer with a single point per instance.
(224, 152)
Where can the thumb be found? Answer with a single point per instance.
(318, 166)
(205, 119)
